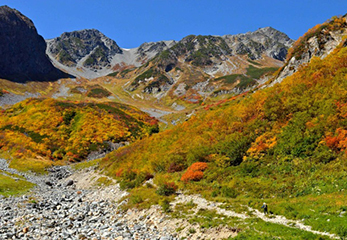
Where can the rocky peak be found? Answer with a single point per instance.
(147, 51)
(319, 41)
(15, 18)
(90, 46)
(268, 41)
(22, 50)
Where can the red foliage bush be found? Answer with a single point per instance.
(119, 172)
(175, 167)
(339, 141)
(198, 166)
(194, 172)
(192, 176)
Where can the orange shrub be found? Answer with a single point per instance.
(192, 176)
(339, 141)
(194, 172)
(119, 172)
(198, 166)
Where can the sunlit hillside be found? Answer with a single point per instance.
(61, 130)
(285, 144)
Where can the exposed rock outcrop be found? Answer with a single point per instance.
(90, 46)
(22, 50)
(317, 42)
(89, 53)
(266, 40)
(201, 61)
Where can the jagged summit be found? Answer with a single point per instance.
(319, 41)
(89, 53)
(264, 40)
(22, 50)
(91, 45)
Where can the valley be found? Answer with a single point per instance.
(174, 139)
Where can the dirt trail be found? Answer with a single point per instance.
(277, 219)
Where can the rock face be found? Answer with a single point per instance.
(149, 50)
(266, 40)
(194, 67)
(89, 53)
(209, 50)
(22, 50)
(317, 42)
(89, 48)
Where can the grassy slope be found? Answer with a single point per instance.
(285, 145)
(12, 184)
(47, 129)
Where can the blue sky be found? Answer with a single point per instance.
(133, 22)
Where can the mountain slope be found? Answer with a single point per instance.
(89, 53)
(285, 145)
(319, 41)
(55, 130)
(22, 50)
(206, 66)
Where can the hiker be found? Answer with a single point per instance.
(265, 208)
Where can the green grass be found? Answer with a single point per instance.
(230, 79)
(144, 197)
(98, 92)
(34, 165)
(103, 181)
(258, 229)
(9, 186)
(256, 73)
(86, 164)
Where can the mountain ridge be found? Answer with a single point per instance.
(135, 57)
(23, 50)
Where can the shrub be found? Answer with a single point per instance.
(135, 199)
(165, 205)
(194, 172)
(175, 167)
(228, 192)
(198, 166)
(192, 176)
(167, 189)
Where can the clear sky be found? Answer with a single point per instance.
(133, 22)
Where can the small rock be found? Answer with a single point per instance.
(49, 183)
(69, 183)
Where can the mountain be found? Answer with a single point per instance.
(22, 50)
(268, 41)
(206, 66)
(67, 130)
(284, 145)
(89, 53)
(319, 41)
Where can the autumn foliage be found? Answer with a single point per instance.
(69, 130)
(301, 120)
(321, 31)
(194, 172)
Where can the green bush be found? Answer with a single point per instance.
(167, 189)
(165, 205)
(228, 192)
